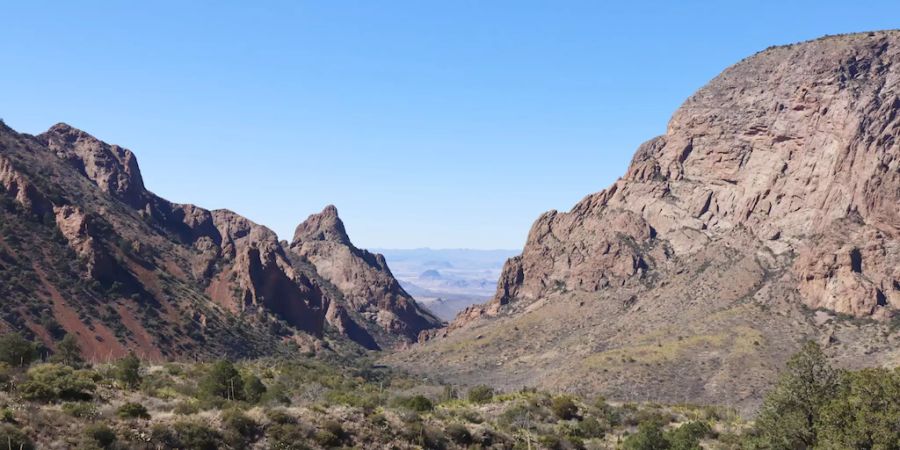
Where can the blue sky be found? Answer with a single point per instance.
(439, 124)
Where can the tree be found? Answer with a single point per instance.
(223, 380)
(128, 370)
(649, 436)
(253, 388)
(16, 350)
(49, 382)
(791, 410)
(68, 352)
(865, 413)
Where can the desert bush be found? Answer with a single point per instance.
(16, 350)
(50, 382)
(81, 410)
(186, 408)
(417, 403)
(590, 428)
(288, 436)
(459, 434)
(649, 436)
(132, 410)
(222, 380)
(68, 352)
(14, 438)
(254, 389)
(99, 435)
(186, 435)
(239, 431)
(688, 436)
(564, 408)
(128, 371)
(481, 394)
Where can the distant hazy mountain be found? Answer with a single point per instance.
(447, 280)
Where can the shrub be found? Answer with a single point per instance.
(239, 430)
(49, 382)
(68, 352)
(591, 428)
(128, 371)
(564, 408)
(186, 435)
(287, 436)
(222, 380)
(417, 403)
(99, 435)
(133, 411)
(687, 436)
(81, 410)
(331, 434)
(459, 434)
(481, 394)
(649, 436)
(14, 438)
(254, 388)
(186, 408)
(16, 350)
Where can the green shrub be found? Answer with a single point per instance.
(49, 382)
(7, 416)
(222, 380)
(590, 428)
(14, 438)
(186, 408)
(417, 403)
(186, 435)
(688, 436)
(132, 410)
(254, 389)
(99, 435)
(564, 408)
(332, 434)
(68, 352)
(481, 394)
(649, 436)
(459, 434)
(239, 430)
(81, 410)
(16, 350)
(128, 371)
(288, 436)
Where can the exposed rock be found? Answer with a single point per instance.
(775, 190)
(364, 279)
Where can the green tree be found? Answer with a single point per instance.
(865, 413)
(687, 436)
(68, 352)
(16, 350)
(128, 370)
(223, 380)
(649, 436)
(791, 410)
(253, 388)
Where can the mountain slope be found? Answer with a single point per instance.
(87, 250)
(767, 214)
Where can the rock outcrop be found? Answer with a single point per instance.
(363, 278)
(774, 192)
(172, 279)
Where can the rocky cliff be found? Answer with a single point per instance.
(773, 194)
(87, 250)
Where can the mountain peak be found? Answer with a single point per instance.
(324, 226)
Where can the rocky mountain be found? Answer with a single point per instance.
(767, 214)
(87, 250)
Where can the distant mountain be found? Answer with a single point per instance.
(447, 280)
(86, 250)
(768, 214)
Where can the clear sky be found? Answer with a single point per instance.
(439, 124)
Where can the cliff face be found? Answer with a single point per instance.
(775, 187)
(363, 278)
(89, 251)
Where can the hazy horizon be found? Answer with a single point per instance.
(428, 125)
